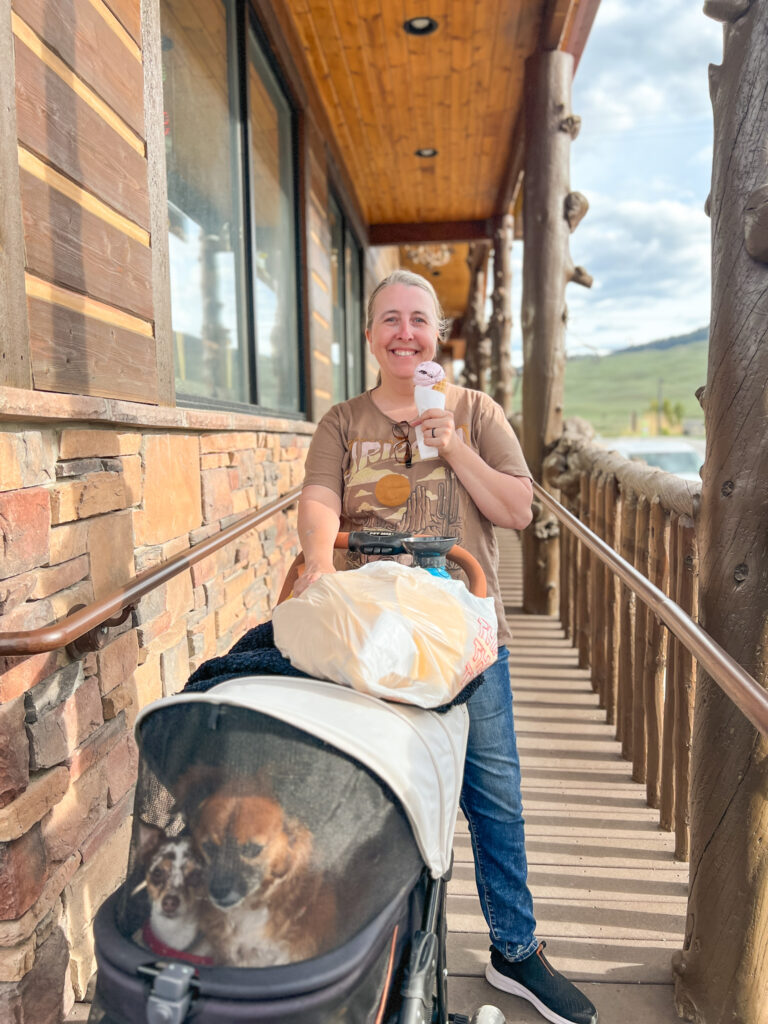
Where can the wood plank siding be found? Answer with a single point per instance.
(91, 41)
(84, 248)
(84, 197)
(66, 131)
(75, 348)
(320, 275)
(128, 13)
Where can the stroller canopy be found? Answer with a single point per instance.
(417, 753)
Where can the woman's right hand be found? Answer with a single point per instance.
(308, 577)
(319, 511)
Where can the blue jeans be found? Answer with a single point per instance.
(493, 806)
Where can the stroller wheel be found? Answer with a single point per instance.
(488, 1015)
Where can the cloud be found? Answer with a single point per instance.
(643, 159)
(646, 62)
(650, 261)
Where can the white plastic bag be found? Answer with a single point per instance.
(391, 631)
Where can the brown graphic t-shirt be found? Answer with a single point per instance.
(353, 453)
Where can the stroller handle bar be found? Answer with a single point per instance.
(465, 561)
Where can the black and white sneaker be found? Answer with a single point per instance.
(536, 980)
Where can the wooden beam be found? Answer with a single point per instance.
(15, 369)
(158, 200)
(565, 26)
(553, 20)
(439, 231)
(512, 181)
(577, 28)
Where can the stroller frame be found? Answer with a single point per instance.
(169, 989)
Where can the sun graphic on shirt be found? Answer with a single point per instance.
(392, 490)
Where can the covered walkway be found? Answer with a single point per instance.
(609, 897)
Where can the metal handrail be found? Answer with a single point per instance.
(745, 692)
(113, 609)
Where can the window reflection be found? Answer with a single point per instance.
(274, 236)
(346, 292)
(204, 221)
(354, 302)
(233, 305)
(338, 343)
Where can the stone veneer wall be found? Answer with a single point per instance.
(91, 492)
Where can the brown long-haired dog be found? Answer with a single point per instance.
(268, 905)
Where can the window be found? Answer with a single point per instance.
(229, 132)
(347, 291)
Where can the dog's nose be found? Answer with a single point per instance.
(225, 894)
(170, 904)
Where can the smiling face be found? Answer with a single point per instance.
(403, 331)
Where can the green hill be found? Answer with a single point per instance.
(608, 390)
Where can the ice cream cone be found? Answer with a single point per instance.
(427, 398)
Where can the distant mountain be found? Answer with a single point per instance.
(615, 391)
(701, 334)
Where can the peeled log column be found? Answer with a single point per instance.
(550, 212)
(500, 327)
(474, 321)
(722, 972)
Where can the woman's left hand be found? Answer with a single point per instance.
(439, 430)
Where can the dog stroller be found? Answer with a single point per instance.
(291, 843)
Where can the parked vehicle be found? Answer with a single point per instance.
(672, 454)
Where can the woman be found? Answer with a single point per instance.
(364, 472)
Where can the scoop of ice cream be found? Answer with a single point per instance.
(426, 375)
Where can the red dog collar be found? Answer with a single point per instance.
(156, 946)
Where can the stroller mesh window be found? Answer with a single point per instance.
(255, 844)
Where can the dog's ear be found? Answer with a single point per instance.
(295, 850)
(263, 782)
(195, 785)
(149, 839)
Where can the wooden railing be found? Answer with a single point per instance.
(87, 627)
(629, 602)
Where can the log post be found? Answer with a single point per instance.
(655, 660)
(500, 325)
(667, 794)
(585, 560)
(565, 576)
(627, 628)
(639, 711)
(474, 319)
(599, 580)
(722, 972)
(595, 596)
(550, 210)
(613, 585)
(687, 598)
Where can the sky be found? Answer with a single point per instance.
(643, 159)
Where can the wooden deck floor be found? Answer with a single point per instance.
(608, 895)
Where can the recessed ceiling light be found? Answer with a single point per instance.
(427, 151)
(420, 26)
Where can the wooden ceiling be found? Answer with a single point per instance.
(459, 90)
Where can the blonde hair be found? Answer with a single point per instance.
(407, 277)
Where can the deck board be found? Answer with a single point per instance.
(609, 897)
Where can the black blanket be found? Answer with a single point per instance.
(255, 654)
